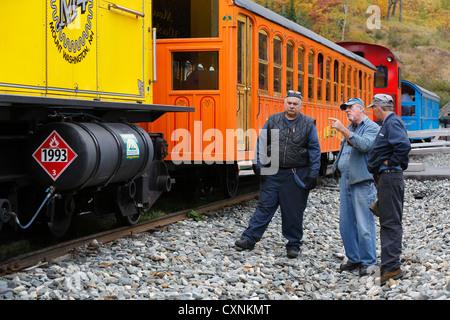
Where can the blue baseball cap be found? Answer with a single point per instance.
(350, 102)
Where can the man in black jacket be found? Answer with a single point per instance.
(387, 160)
(288, 160)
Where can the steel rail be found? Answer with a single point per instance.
(44, 255)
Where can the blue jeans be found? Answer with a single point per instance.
(357, 223)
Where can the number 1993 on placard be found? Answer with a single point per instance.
(53, 155)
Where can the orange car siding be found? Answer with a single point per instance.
(216, 109)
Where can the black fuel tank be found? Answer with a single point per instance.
(71, 155)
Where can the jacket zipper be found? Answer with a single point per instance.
(285, 146)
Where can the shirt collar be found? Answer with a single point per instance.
(364, 119)
(361, 122)
(388, 116)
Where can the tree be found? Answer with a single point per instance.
(344, 23)
(334, 17)
(291, 12)
(329, 18)
(393, 5)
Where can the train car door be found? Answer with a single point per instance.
(244, 81)
(23, 51)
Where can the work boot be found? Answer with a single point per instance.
(349, 266)
(367, 270)
(292, 252)
(244, 244)
(386, 275)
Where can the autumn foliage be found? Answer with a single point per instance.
(328, 17)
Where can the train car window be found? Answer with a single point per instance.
(311, 74)
(355, 83)
(364, 88)
(336, 81)
(349, 80)
(300, 66)
(240, 62)
(360, 79)
(186, 18)
(381, 77)
(399, 78)
(290, 55)
(277, 64)
(408, 93)
(343, 98)
(360, 83)
(263, 61)
(198, 70)
(289, 66)
(319, 76)
(369, 85)
(328, 79)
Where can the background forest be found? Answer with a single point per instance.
(418, 32)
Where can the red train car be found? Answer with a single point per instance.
(234, 61)
(387, 79)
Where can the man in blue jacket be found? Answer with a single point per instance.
(288, 160)
(387, 160)
(357, 188)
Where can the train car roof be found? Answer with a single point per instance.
(444, 110)
(291, 25)
(363, 44)
(432, 95)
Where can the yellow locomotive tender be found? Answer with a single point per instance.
(75, 75)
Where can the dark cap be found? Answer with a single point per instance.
(382, 100)
(294, 94)
(350, 102)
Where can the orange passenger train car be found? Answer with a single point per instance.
(234, 61)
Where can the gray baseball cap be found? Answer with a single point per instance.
(382, 100)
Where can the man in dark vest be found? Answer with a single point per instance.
(288, 161)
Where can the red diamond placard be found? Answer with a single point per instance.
(54, 155)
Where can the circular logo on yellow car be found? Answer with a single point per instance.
(71, 28)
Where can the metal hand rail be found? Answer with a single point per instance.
(115, 6)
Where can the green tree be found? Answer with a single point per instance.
(291, 13)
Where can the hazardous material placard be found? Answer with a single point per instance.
(54, 155)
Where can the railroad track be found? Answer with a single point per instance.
(47, 254)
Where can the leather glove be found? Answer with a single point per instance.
(312, 183)
(256, 170)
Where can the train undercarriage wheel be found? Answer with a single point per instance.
(129, 220)
(61, 213)
(230, 179)
(206, 186)
(127, 212)
(5, 207)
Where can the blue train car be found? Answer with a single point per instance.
(420, 108)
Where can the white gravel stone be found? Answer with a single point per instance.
(198, 260)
